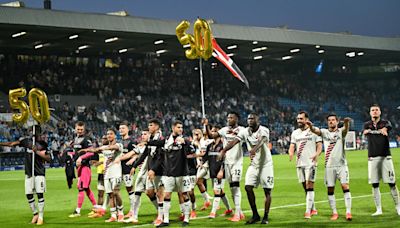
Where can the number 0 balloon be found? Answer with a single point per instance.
(200, 43)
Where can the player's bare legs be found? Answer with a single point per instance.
(120, 207)
(252, 201)
(204, 194)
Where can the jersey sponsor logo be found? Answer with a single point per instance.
(304, 139)
(213, 153)
(175, 147)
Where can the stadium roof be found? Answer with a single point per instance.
(50, 32)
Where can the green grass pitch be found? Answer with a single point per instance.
(287, 209)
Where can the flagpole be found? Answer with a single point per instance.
(33, 155)
(203, 111)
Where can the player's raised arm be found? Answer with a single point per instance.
(109, 147)
(313, 129)
(211, 135)
(128, 155)
(346, 126)
(10, 144)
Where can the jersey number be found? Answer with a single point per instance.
(186, 183)
(237, 172)
(270, 180)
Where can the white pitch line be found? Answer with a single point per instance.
(272, 208)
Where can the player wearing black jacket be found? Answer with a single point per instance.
(217, 174)
(154, 155)
(380, 164)
(38, 183)
(127, 178)
(175, 177)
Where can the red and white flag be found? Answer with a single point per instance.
(219, 54)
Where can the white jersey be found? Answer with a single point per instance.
(203, 147)
(235, 154)
(113, 169)
(143, 167)
(334, 147)
(263, 155)
(306, 146)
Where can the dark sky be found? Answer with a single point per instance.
(361, 17)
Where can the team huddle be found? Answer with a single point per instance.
(168, 164)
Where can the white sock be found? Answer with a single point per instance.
(193, 206)
(161, 208)
(132, 200)
(32, 205)
(217, 199)
(309, 201)
(395, 195)
(205, 196)
(226, 202)
(113, 212)
(78, 210)
(136, 206)
(332, 203)
(167, 206)
(182, 207)
(120, 209)
(41, 207)
(347, 201)
(377, 198)
(186, 211)
(237, 197)
(105, 202)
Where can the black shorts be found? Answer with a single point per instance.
(100, 177)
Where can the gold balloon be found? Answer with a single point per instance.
(202, 37)
(185, 39)
(15, 103)
(38, 98)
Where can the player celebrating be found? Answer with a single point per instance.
(306, 145)
(112, 174)
(233, 162)
(175, 177)
(141, 179)
(380, 164)
(261, 170)
(202, 174)
(217, 176)
(100, 184)
(192, 171)
(126, 169)
(36, 184)
(335, 161)
(80, 142)
(154, 164)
